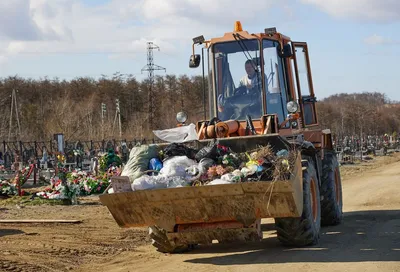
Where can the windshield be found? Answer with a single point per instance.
(275, 82)
(238, 79)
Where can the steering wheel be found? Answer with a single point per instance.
(241, 103)
(242, 90)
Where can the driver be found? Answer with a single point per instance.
(252, 78)
(250, 86)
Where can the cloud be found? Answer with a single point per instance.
(365, 10)
(24, 20)
(379, 40)
(16, 22)
(122, 27)
(116, 27)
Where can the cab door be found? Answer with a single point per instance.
(304, 84)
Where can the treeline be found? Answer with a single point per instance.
(49, 106)
(359, 114)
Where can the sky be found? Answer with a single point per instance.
(353, 45)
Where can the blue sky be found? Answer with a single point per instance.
(354, 45)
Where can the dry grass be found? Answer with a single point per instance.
(265, 152)
(283, 166)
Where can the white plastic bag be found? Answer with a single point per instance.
(205, 163)
(219, 182)
(143, 183)
(176, 166)
(228, 177)
(178, 135)
(177, 182)
(146, 182)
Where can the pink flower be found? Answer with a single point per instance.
(220, 170)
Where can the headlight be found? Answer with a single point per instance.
(292, 107)
(181, 117)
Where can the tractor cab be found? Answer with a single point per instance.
(256, 77)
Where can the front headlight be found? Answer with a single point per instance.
(181, 117)
(292, 106)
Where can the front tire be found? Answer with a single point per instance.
(305, 230)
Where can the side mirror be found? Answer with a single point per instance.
(194, 61)
(286, 52)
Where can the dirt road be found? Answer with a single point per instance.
(368, 239)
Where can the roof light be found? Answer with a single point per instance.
(270, 31)
(238, 26)
(198, 40)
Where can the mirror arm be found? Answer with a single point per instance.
(281, 43)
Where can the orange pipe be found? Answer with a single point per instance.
(210, 131)
(224, 129)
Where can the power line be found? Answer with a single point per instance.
(118, 115)
(14, 105)
(150, 68)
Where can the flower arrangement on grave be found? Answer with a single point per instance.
(109, 160)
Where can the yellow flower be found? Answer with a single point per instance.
(286, 164)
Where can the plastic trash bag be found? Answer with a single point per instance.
(282, 153)
(143, 183)
(237, 176)
(210, 152)
(193, 170)
(176, 166)
(206, 163)
(177, 182)
(146, 182)
(249, 171)
(219, 182)
(139, 160)
(228, 177)
(178, 135)
(174, 149)
(155, 164)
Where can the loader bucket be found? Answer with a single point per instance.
(241, 202)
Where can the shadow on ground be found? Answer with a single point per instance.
(363, 236)
(5, 232)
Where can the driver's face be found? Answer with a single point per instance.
(249, 69)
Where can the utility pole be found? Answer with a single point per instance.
(118, 114)
(150, 68)
(14, 105)
(103, 113)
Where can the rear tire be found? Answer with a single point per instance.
(331, 191)
(160, 241)
(305, 230)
